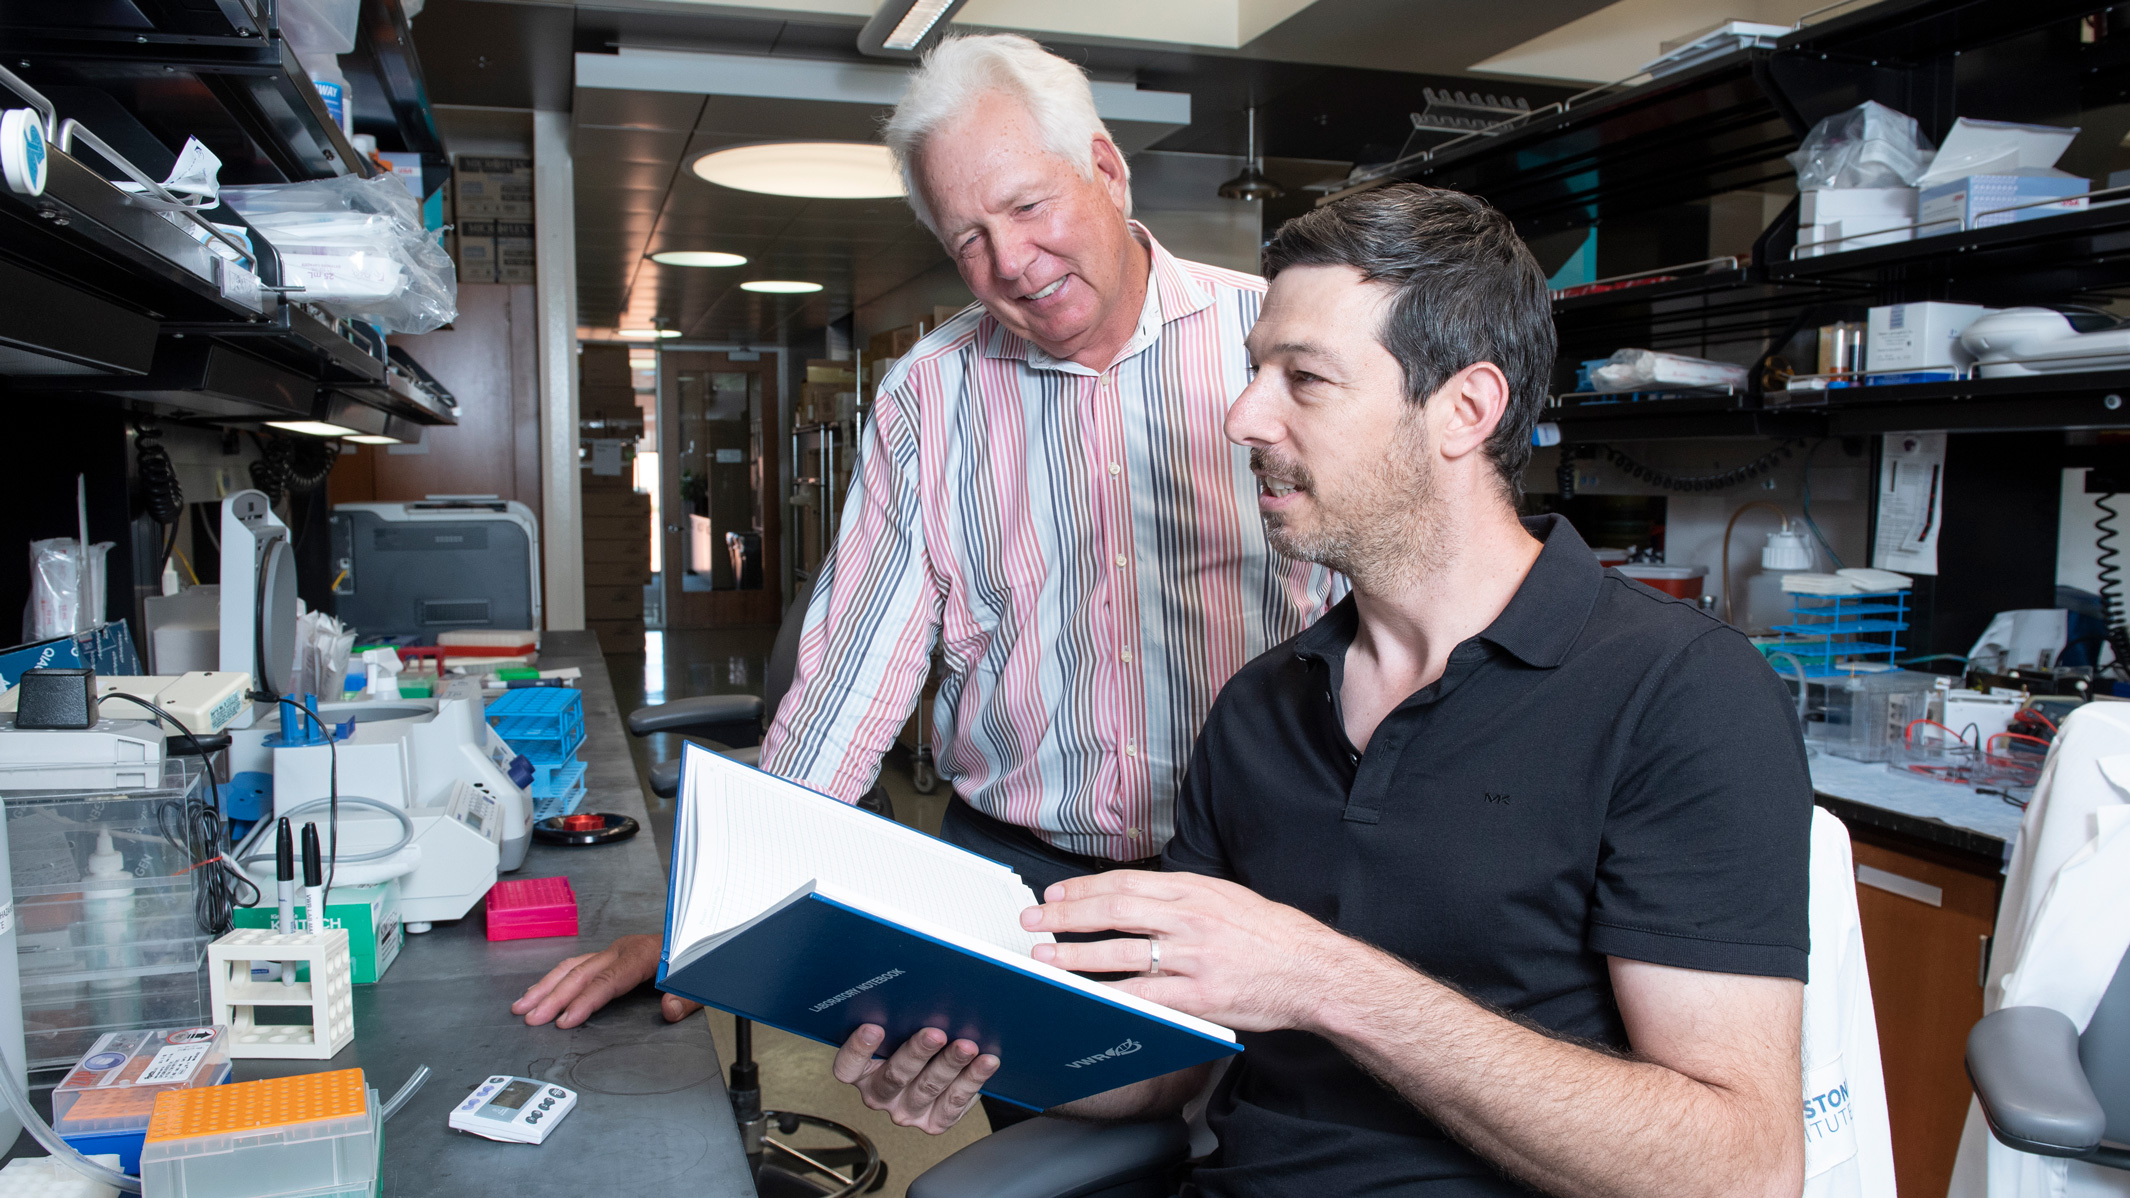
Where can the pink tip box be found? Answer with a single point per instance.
(524, 908)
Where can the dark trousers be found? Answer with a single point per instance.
(1039, 865)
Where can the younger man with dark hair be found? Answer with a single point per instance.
(1501, 867)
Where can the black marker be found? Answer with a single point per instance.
(313, 878)
(285, 887)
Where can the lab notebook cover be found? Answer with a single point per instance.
(797, 911)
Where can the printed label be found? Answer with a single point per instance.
(1108, 1054)
(857, 990)
(1830, 1119)
(174, 1063)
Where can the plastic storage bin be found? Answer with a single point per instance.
(1867, 715)
(316, 1135)
(103, 1103)
(107, 935)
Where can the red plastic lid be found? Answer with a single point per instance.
(583, 823)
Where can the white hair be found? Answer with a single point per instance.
(960, 71)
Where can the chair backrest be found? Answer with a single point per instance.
(2104, 1051)
(784, 654)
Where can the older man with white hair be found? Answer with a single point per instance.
(1046, 493)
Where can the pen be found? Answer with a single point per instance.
(285, 887)
(313, 878)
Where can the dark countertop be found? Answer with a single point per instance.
(652, 1115)
(1944, 816)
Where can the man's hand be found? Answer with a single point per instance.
(927, 1083)
(1227, 954)
(579, 986)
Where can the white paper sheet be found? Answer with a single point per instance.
(1911, 503)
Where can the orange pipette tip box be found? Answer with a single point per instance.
(250, 1106)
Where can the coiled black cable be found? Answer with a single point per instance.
(270, 471)
(2111, 590)
(310, 462)
(1698, 482)
(201, 835)
(160, 487)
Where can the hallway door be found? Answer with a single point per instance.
(717, 430)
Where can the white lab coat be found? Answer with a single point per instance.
(2062, 928)
(1848, 1142)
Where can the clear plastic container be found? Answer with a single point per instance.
(107, 935)
(314, 1135)
(1867, 715)
(104, 1102)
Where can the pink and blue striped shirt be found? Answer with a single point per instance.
(1085, 549)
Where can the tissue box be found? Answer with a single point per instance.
(369, 913)
(1854, 218)
(1919, 336)
(1974, 202)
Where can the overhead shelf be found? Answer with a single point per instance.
(2046, 257)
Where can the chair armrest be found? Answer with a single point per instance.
(1057, 1158)
(682, 715)
(665, 775)
(2024, 1063)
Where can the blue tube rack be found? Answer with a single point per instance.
(1829, 633)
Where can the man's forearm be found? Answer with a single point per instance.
(1150, 1099)
(1564, 1117)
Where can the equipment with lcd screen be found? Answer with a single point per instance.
(516, 1110)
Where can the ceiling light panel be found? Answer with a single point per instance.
(310, 428)
(697, 258)
(824, 170)
(373, 439)
(780, 287)
(917, 22)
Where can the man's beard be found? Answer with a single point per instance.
(1377, 528)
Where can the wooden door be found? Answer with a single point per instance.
(722, 560)
(1926, 927)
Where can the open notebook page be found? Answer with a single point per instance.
(759, 838)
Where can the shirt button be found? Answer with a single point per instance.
(1115, 468)
(1131, 748)
(1120, 561)
(1132, 832)
(1127, 655)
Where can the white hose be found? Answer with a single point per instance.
(406, 830)
(61, 1151)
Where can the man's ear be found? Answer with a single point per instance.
(1111, 173)
(1478, 398)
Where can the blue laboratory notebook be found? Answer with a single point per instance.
(795, 910)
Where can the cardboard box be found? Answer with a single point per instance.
(369, 913)
(828, 370)
(514, 252)
(486, 188)
(1982, 201)
(1833, 220)
(1919, 336)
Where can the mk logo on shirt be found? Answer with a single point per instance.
(1499, 799)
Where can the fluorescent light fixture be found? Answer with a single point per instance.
(311, 428)
(697, 258)
(372, 439)
(821, 170)
(646, 334)
(780, 287)
(906, 28)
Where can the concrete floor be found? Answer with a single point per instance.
(795, 1075)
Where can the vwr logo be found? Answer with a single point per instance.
(1109, 1054)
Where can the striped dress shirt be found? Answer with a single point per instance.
(1083, 546)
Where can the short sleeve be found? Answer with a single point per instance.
(1195, 848)
(1706, 854)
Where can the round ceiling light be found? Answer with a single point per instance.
(825, 170)
(780, 287)
(646, 334)
(697, 258)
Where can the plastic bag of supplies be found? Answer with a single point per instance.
(357, 248)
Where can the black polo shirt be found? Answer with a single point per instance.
(1605, 771)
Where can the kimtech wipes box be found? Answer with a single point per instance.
(369, 913)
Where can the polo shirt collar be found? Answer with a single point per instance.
(1171, 295)
(1539, 625)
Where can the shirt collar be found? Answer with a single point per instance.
(1539, 625)
(1171, 295)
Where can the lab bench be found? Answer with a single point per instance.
(652, 1114)
(1930, 860)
